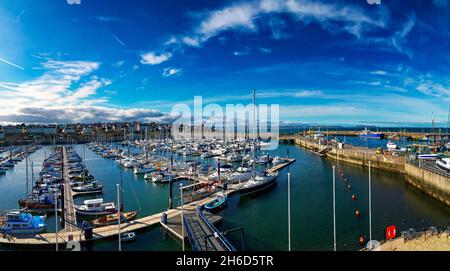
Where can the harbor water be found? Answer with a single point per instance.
(263, 217)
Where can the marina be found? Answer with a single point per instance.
(247, 126)
(202, 191)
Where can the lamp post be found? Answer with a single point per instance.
(334, 208)
(289, 211)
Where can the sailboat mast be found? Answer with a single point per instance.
(26, 176)
(448, 125)
(432, 124)
(32, 177)
(254, 128)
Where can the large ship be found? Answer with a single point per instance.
(368, 134)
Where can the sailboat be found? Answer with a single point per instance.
(113, 218)
(36, 202)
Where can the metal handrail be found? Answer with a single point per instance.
(222, 238)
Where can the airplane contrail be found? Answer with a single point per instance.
(115, 36)
(12, 64)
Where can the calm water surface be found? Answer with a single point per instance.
(264, 217)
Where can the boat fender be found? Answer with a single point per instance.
(353, 197)
(357, 213)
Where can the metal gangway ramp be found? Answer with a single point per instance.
(203, 235)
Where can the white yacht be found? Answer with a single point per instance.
(160, 177)
(391, 146)
(242, 174)
(95, 207)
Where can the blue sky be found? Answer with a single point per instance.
(326, 62)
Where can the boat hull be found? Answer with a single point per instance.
(35, 206)
(127, 216)
(443, 166)
(97, 189)
(257, 189)
(372, 136)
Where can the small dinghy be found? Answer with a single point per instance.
(217, 203)
(128, 236)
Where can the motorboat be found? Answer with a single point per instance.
(258, 184)
(128, 236)
(37, 202)
(112, 218)
(93, 186)
(159, 177)
(95, 207)
(262, 160)
(444, 164)
(391, 146)
(18, 222)
(219, 201)
(130, 163)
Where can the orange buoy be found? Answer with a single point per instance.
(353, 197)
(357, 213)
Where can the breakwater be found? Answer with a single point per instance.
(431, 183)
(426, 180)
(356, 155)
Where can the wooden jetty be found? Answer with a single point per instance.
(282, 165)
(106, 231)
(70, 216)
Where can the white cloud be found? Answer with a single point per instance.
(66, 92)
(240, 53)
(118, 64)
(246, 16)
(107, 19)
(172, 40)
(379, 72)
(150, 58)
(265, 50)
(169, 72)
(191, 41)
